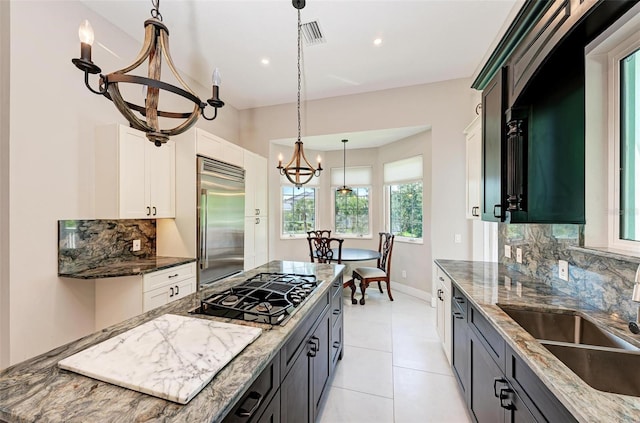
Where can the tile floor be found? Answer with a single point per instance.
(394, 368)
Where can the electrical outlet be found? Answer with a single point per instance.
(404, 274)
(563, 270)
(457, 238)
(136, 245)
(518, 255)
(507, 251)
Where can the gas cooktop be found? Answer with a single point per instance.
(265, 298)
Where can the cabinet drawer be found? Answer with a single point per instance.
(168, 276)
(165, 294)
(488, 335)
(459, 302)
(336, 307)
(257, 398)
(336, 343)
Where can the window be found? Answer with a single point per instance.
(612, 137)
(298, 211)
(351, 212)
(403, 186)
(630, 147)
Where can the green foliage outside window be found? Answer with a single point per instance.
(352, 212)
(406, 210)
(298, 210)
(630, 147)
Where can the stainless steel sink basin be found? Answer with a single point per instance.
(566, 326)
(606, 369)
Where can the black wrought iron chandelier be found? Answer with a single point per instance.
(344, 189)
(299, 171)
(155, 46)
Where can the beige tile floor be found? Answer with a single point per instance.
(393, 369)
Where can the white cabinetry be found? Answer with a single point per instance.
(119, 299)
(217, 148)
(473, 132)
(134, 178)
(443, 311)
(256, 212)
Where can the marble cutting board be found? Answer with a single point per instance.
(171, 357)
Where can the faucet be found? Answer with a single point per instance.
(633, 326)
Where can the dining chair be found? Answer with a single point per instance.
(320, 233)
(380, 273)
(323, 249)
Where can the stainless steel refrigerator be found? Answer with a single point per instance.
(220, 220)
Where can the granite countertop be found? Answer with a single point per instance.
(37, 390)
(489, 284)
(139, 266)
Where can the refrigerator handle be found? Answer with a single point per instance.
(203, 229)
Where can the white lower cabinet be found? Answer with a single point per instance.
(119, 299)
(443, 311)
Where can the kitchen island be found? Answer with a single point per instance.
(37, 390)
(488, 286)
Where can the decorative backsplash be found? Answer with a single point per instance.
(596, 279)
(86, 244)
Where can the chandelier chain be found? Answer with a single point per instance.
(299, 73)
(155, 12)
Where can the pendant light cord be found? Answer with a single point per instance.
(344, 164)
(155, 12)
(299, 73)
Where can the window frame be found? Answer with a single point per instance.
(284, 236)
(387, 210)
(333, 214)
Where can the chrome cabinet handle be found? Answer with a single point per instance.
(257, 400)
(154, 210)
(148, 211)
(257, 211)
(171, 290)
(177, 290)
(497, 380)
(504, 395)
(173, 276)
(257, 220)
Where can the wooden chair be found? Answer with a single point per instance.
(380, 273)
(322, 249)
(320, 233)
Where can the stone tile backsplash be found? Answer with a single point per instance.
(86, 244)
(595, 279)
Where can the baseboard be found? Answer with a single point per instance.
(418, 293)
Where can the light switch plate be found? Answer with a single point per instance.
(518, 255)
(457, 238)
(563, 270)
(507, 251)
(136, 245)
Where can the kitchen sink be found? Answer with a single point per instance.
(565, 326)
(606, 369)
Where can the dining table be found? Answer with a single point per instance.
(353, 255)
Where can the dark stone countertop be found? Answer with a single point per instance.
(135, 267)
(36, 390)
(489, 284)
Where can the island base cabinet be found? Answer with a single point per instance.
(272, 413)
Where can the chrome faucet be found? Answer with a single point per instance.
(634, 326)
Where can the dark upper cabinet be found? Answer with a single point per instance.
(493, 133)
(533, 147)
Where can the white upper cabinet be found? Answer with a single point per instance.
(134, 179)
(255, 203)
(473, 133)
(217, 148)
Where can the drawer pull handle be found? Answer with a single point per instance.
(458, 315)
(154, 210)
(459, 300)
(254, 398)
(177, 290)
(312, 351)
(173, 276)
(148, 211)
(336, 311)
(336, 344)
(171, 290)
(441, 278)
(495, 383)
(504, 395)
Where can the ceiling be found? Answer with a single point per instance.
(423, 41)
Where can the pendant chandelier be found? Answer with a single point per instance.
(155, 46)
(299, 171)
(344, 190)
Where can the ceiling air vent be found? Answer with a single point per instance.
(312, 34)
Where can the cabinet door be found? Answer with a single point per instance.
(132, 176)
(157, 297)
(485, 376)
(255, 185)
(460, 350)
(320, 363)
(250, 227)
(161, 179)
(261, 243)
(493, 133)
(183, 288)
(272, 412)
(473, 168)
(294, 391)
(447, 342)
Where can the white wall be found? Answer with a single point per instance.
(51, 138)
(447, 107)
(4, 184)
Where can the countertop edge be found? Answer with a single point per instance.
(107, 271)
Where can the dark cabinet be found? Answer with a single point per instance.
(498, 386)
(459, 336)
(493, 133)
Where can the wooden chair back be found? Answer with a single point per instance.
(322, 249)
(385, 248)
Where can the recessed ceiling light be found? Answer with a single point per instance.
(264, 61)
(377, 41)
